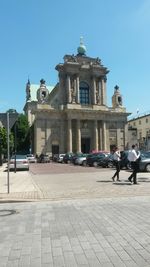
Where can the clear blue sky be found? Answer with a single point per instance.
(36, 34)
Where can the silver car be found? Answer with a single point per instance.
(144, 162)
(22, 162)
(81, 160)
(31, 158)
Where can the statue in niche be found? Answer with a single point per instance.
(73, 91)
(98, 98)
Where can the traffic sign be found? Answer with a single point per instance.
(12, 119)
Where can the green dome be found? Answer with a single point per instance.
(81, 48)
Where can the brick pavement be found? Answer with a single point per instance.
(105, 232)
(90, 222)
(57, 181)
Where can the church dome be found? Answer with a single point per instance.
(82, 48)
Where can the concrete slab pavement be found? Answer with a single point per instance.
(99, 224)
(74, 182)
(105, 232)
(21, 185)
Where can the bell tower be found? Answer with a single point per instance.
(42, 92)
(116, 98)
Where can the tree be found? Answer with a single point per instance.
(3, 143)
(22, 132)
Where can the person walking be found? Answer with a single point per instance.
(116, 157)
(133, 157)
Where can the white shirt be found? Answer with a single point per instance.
(132, 156)
(117, 155)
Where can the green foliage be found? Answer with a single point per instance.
(3, 138)
(22, 133)
(3, 141)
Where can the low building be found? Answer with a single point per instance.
(139, 131)
(73, 115)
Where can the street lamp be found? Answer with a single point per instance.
(15, 143)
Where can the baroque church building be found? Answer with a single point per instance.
(73, 116)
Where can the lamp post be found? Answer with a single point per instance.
(8, 151)
(15, 144)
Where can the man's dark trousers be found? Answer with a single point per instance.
(135, 166)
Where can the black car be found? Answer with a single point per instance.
(43, 159)
(94, 158)
(144, 161)
(75, 157)
(107, 161)
(125, 163)
(67, 158)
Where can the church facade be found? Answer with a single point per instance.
(73, 116)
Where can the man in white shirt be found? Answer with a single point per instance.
(116, 157)
(133, 157)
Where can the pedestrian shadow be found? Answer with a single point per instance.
(122, 183)
(115, 183)
(104, 181)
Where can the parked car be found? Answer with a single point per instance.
(125, 163)
(55, 157)
(68, 157)
(94, 158)
(43, 159)
(60, 158)
(31, 158)
(22, 162)
(144, 162)
(81, 160)
(75, 156)
(106, 161)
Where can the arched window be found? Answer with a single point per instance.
(84, 93)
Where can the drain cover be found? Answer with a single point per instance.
(7, 212)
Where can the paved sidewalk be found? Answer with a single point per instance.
(93, 223)
(106, 232)
(88, 183)
(21, 185)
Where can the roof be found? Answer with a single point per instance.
(138, 116)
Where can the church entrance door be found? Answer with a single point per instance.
(85, 144)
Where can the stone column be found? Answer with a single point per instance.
(35, 137)
(104, 135)
(62, 148)
(99, 93)
(69, 137)
(105, 98)
(77, 90)
(102, 92)
(68, 89)
(100, 138)
(61, 87)
(78, 140)
(94, 91)
(95, 135)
